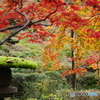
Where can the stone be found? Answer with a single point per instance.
(7, 91)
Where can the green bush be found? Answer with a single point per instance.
(44, 85)
(35, 85)
(87, 81)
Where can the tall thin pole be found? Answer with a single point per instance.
(73, 66)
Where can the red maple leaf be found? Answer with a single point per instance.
(95, 35)
(94, 3)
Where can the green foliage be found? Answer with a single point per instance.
(35, 85)
(14, 62)
(87, 81)
(23, 49)
(22, 70)
(67, 51)
(3, 49)
(65, 56)
(51, 97)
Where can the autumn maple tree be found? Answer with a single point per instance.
(21, 14)
(78, 26)
(57, 22)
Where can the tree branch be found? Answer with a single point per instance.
(28, 23)
(22, 27)
(10, 28)
(94, 15)
(13, 34)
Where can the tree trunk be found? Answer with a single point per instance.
(2, 99)
(73, 66)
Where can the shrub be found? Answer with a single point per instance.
(87, 81)
(34, 85)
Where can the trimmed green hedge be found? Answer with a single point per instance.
(14, 62)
